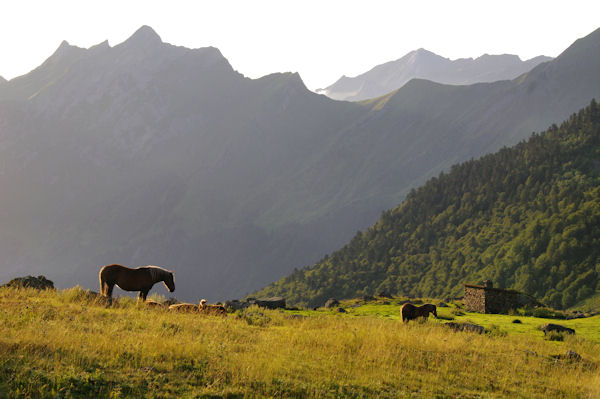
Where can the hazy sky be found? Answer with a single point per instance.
(321, 40)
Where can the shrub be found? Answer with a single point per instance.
(555, 336)
(495, 331)
(254, 316)
(545, 313)
(78, 294)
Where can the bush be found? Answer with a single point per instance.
(78, 294)
(495, 331)
(254, 316)
(548, 313)
(544, 313)
(555, 336)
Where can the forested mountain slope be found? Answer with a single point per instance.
(526, 217)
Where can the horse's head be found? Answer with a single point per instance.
(170, 281)
(434, 311)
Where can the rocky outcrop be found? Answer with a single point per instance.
(269, 303)
(550, 328)
(276, 302)
(39, 283)
(236, 304)
(470, 327)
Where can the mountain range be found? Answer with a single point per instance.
(423, 64)
(149, 153)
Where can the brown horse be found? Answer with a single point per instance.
(140, 279)
(411, 312)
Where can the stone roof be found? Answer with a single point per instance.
(492, 288)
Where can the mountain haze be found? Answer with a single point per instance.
(149, 153)
(423, 64)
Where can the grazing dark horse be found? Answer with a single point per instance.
(140, 279)
(411, 312)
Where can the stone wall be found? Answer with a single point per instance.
(474, 299)
(486, 299)
(500, 301)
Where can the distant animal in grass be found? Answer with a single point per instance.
(203, 308)
(214, 310)
(412, 312)
(139, 279)
(153, 304)
(184, 308)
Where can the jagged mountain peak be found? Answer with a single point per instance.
(65, 49)
(103, 45)
(294, 78)
(288, 81)
(144, 36)
(64, 44)
(424, 52)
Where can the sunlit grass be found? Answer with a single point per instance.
(68, 343)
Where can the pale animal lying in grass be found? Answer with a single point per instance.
(184, 308)
(202, 308)
(215, 310)
(153, 304)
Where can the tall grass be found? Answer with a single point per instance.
(68, 344)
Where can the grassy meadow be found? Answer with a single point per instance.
(67, 344)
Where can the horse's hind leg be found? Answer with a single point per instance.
(109, 291)
(143, 294)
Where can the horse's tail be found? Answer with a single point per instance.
(103, 285)
(405, 312)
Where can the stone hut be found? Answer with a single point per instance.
(487, 299)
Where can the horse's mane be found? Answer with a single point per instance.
(157, 272)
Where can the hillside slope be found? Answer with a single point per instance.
(525, 217)
(423, 64)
